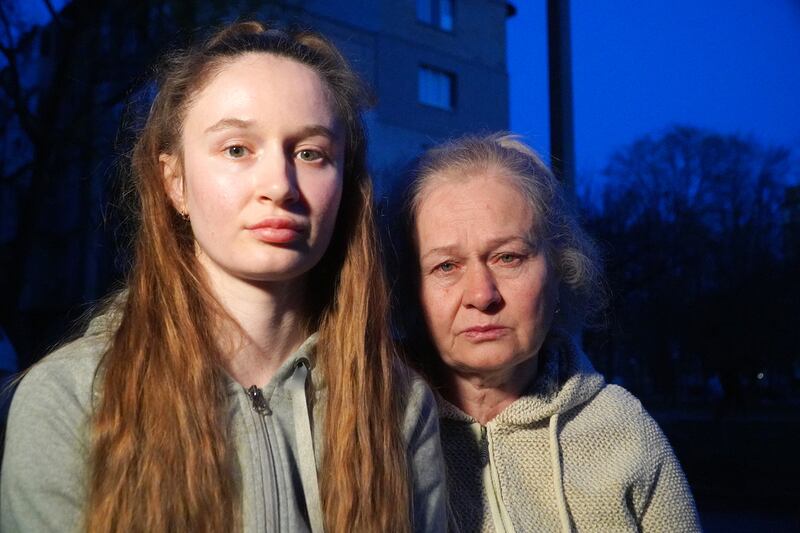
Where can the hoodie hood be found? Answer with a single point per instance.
(565, 380)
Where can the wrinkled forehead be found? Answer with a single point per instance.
(491, 174)
(488, 204)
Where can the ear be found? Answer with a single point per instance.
(173, 182)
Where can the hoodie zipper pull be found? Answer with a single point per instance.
(484, 446)
(259, 402)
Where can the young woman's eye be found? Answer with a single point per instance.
(309, 156)
(236, 151)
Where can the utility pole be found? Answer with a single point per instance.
(559, 53)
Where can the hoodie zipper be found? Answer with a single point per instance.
(491, 481)
(262, 411)
(260, 405)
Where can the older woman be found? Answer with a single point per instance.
(534, 438)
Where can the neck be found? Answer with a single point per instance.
(268, 326)
(484, 395)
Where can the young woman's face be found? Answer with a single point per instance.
(261, 176)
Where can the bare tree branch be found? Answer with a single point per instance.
(53, 13)
(4, 18)
(19, 171)
(13, 88)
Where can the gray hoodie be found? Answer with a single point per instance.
(44, 475)
(572, 454)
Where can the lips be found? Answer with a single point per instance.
(278, 230)
(484, 333)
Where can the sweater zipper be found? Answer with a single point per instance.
(501, 520)
(262, 410)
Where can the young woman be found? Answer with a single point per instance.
(534, 439)
(245, 378)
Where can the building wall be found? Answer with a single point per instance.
(77, 75)
(387, 44)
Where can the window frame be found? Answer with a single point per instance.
(452, 81)
(434, 17)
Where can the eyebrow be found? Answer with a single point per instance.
(439, 250)
(494, 243)
(230, 123)
(314, 130)
(302, 133)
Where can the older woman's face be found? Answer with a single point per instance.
(486, 287)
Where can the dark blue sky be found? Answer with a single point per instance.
(639, 66)
(727, 65)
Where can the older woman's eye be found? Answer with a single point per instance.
(236, 151)
(508, 259)
(446, 267)
(309, 156)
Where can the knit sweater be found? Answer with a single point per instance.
(572, 454)
(277, 442)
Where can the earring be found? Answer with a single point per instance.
(184, 215)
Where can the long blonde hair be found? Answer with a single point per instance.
(162, 457)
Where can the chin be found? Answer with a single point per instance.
(484, 364)
(276, 275)
(279, 267)
(493, 356)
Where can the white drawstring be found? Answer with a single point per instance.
(558, 482)
(305, 446)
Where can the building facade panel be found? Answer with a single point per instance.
(393, 49)
(478, 34)
(480, 99)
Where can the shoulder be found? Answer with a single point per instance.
(420, 416)
(641, 453)
(614, 419)
(626, 411)
(47, 440)
(617, 410)
(616, 401)
(424, 452)
(70, 370)
(613, 405)
(420, 404)
(60, 386)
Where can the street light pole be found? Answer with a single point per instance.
(562, 137)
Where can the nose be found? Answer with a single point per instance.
(480, 291)
(276, 180)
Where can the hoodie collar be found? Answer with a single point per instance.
(303, 355)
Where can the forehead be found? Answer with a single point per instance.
(487, 179)
(485, 205)
(263, 84)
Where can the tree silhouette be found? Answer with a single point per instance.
(63, 94)
(698, 259)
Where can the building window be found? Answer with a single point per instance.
(438, 13)
(437, 88)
